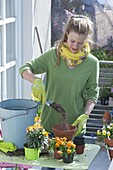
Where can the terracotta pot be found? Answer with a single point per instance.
(68, 158)
(80, 144)
(56, 155)
(59, 132)
(109, 143)
(106, 117)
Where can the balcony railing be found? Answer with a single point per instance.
(95, 120)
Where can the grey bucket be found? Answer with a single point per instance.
(15, 116)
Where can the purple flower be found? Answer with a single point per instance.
(111, 90)
(68, 13)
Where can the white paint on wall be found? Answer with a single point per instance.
(35, 13)
(102, 1)
(106, 2)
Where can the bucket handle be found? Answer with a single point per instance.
(3, 119)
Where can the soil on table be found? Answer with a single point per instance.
(20, 152)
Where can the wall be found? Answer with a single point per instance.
(42, 20)
(35, 13)
(104, 22)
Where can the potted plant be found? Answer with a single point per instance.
(104, 95)
(64, 148)
(55, 146)
(37, 137)
(107, 133)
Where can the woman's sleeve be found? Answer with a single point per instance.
(92, 87)
(38, 65)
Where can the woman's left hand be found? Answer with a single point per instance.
(80, 122)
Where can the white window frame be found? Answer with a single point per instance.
(18, 43)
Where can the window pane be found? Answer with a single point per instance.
(10, 42)
(0, 45)
(0, 8)
(10, 4)
(11, 87)
(0, 87)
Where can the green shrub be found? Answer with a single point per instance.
(103, 54)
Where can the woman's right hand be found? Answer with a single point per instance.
(38, 90)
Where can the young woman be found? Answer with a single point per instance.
(72, 74)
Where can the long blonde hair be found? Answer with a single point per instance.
(77, 23)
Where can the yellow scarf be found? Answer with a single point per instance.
(74, 59)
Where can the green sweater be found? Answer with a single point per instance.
(70, 88)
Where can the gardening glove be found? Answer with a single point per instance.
(7, 146)
(38, 90)
(80, 123)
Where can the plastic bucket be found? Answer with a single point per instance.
(16, 115)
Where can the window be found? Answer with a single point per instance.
(8, 49)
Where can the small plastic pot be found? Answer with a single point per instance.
(80, 144)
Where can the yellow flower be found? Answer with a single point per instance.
(59, 152)
(30, 128)
(104, 132)
(68, 151)
(37, 119)
(108, 133)
(109, 127)
(57, 145)
(45, 133)
(111, 124)
(98, 132)
(62, 143)
(73, 145)
(69, 144)
(64, 138)
(56, 139)
(38, 126)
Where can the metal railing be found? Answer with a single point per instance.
(95, 120)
